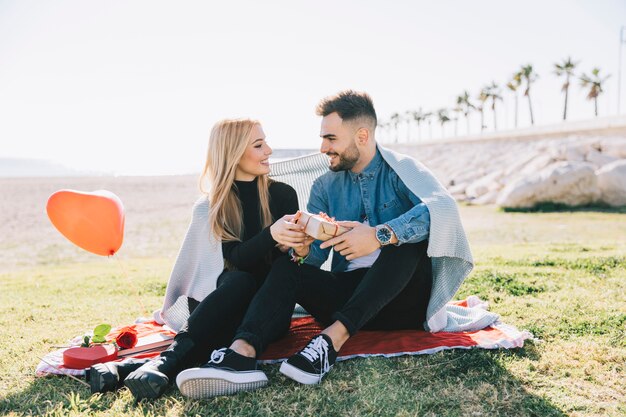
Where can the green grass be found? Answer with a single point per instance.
(549, 207)
(565, 284)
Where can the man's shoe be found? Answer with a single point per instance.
(109, 376)
(227, 372)
(313, 362)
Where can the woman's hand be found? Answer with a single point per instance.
(287, 233)
(303, 249)
(282, 248)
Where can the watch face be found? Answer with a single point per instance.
(383, 235)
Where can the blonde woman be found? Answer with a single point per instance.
(251, 215)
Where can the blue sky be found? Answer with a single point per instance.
(134, 86)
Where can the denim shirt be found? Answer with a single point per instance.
(376, 195)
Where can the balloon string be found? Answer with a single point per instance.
(132, 286)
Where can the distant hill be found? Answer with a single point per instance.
(26, 167)
(23, 167)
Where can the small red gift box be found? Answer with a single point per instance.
(84, 357)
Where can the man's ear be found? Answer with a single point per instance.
(362, 136)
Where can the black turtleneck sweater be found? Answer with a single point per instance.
(251, 254)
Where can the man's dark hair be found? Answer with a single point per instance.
(349, 105)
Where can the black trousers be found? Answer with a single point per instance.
(393, 294)
(213, 322)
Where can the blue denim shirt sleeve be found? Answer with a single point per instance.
(414, 225)
(317, 202)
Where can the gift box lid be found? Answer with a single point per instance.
(84, 357)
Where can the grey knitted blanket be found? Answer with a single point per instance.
(200, 260)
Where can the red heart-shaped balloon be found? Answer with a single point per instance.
(93, 221)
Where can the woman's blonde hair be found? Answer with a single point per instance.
(227, 144)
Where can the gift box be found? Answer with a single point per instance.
(84, 357)
(319, 226)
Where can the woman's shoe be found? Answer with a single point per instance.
(152, 379)
(109, 376)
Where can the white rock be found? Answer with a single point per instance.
(458, 191)
(570, 149)
(487, 198)
(595, 144)
(458, 188)
(576, 152)
(466, 177)
(614, 147)
(538, 163)
(612, 183)
(599, 159)
(517, 165)
(571, 183)
(485, 184)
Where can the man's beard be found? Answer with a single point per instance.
(347, 159)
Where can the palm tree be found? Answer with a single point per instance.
(429, 118)
(419, 116)
(513, 85)
(492, 91)
(530, 76)
(565, 68)
(466, 105)
(482, 97)
(594, 82)
(457, 111)
(395, 121)
(408, 118)
(442, 115)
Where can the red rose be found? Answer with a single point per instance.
(127, 338)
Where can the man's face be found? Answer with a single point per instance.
(338, 142)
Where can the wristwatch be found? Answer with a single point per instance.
(383, 234)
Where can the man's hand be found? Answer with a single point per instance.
(359, 241)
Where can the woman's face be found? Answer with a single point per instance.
(255, 160)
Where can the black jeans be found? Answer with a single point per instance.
(393, 294)
(213, 322)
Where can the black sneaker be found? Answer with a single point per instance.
(227, 372)
(313, 362)
(109, 376)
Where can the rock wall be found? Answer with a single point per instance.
(521, 174)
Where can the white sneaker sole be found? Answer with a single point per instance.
(201, 383)
(299, 375)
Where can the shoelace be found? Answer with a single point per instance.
(217, 356)
(317, 348)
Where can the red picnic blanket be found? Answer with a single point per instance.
(363, 344)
